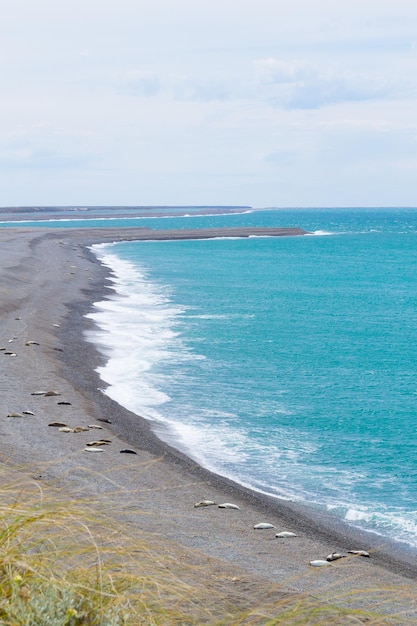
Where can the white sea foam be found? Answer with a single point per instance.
(320, 233)
(206, 316)
(136, 331)
(381, 520)
(206, 445)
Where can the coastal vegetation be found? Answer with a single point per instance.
(68, 563)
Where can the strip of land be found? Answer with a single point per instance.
(205, 233)
(48, 281)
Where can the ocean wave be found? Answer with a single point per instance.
(398, 524)
(320, 233)
(136, 331)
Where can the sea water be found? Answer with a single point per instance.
(287, 364)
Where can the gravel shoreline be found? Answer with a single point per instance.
(49, 280)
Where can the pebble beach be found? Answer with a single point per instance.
(49, 281)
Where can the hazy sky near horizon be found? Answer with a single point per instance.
(254, 102)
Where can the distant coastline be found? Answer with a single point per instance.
(33, 214)
(20, 213)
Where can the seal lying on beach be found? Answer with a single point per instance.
(228, 505)
(335, 556)
(263, 526)
(203, 503)
(99, 442)
(359, 553)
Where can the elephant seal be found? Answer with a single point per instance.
(229, 505)
(263, 526)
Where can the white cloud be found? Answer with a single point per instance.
(301, 85)
(42, 146)
(198, 89)
(143, 83)
(239, 101)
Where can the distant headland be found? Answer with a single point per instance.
(72, 212)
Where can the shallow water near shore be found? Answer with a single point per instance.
(287, 364)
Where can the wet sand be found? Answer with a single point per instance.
(49, 280)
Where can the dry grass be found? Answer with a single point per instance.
(68, 563)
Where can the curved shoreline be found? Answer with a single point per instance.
(50, 280)
(142, 432)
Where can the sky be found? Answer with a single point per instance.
(208, 102)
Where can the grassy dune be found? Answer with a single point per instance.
(69, 563)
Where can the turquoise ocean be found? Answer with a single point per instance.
(287, 364)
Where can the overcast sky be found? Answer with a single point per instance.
(254, 102)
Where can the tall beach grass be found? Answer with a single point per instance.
(68, 562)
